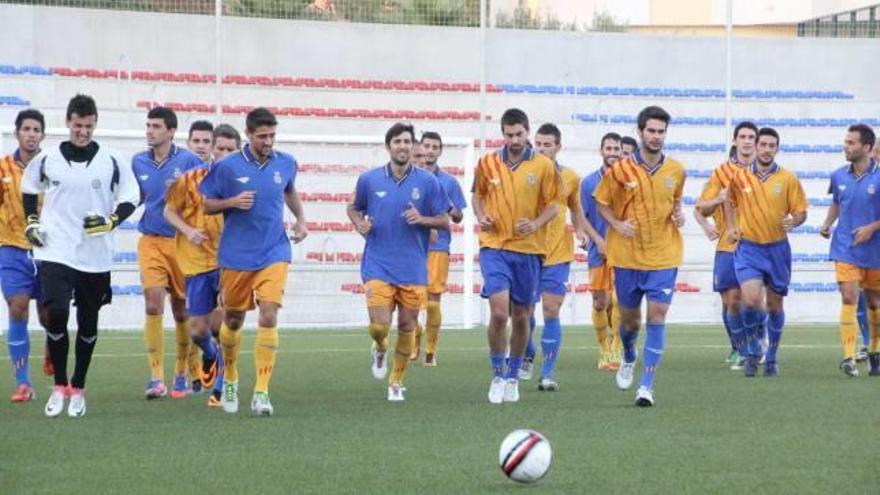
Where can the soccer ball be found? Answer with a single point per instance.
(525, 456)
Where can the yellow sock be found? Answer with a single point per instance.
(194, 361)
(615, 326)
(600, 324)
(379, 333)
(182, 345)
(402, 350)
(155, 341)
(874, 321)
(265, 347)
(848, 330)
(231, 342)
(435, 319)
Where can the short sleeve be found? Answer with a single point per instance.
(439, 200)
(607, 189)
(360, 194)
(481, 181)
(679, 189)
(712, 188)
(574, 195)
(551, 185)
(832, 189)
(291, 184)
(213, 186)
(175, 197)
(797, 199)
(456, 196)
(128, 190)
(32, 180)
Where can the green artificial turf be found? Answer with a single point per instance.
(810, 430)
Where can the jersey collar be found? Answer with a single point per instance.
(390, 175)
(249, 156)
(872, 167)
(528, 154)
(171, 152)
(765, 176)
(16, 156)
(640, 161)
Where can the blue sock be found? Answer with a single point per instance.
(207, 345)
(19, 350)
(514, 363)
(774, 331)
(726, 321)
(530, 346)
(628, 342)
(737, 332)
(221, 370)
(655, 338)
(551, 339)
(497, 364)
(751, 321)
(862, 317)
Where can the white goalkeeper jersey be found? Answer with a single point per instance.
(72, 191)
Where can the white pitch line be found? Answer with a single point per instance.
(366, 350)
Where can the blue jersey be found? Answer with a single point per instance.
(396, 252)
(456, 199)
(859, 201)
(154, 178)
(588, 203)
(256, 238)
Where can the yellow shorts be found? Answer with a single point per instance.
(868, 279)
(438, 271)
(242, 289)
(602, 278)
(157, 258)
(383, 294)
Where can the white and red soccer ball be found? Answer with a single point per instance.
(525, 456)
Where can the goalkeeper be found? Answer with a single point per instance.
(87, 192)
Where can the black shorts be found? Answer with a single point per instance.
(61, 283)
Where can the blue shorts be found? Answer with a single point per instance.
(770, 263)
(505, 270)
(631, 285)
(724, 276)
(553, 279)
(18, 273)
(201, 293)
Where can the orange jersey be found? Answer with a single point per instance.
(184, 196)
(762, 201)
(720, 179)
(511, 192)
(12, 220)
(648, 198)
(558, 241)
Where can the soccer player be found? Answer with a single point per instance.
(605, 310)
(251, 188)
(855, 246)
(87, 192)
(559, 253)
(765, 202)
(628, 145)
(18, 274)
(395, 207)
(197, 240)
(201, 139)
(226, 141)
(516, 192)
(711, 203)
(640, 198)
(438, 248)
(156, 169)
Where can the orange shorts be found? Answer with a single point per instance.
(867, 278)
(157, 258)
(438, 271)
(383, 294)
(242, 289)
(602, 278)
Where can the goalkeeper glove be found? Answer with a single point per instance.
(32, 231)
(97, 225)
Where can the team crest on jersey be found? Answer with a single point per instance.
(96, 184)
(872, 189)
(670, 183)
(531, 179)
(777, 189)
(747, 189)
(277, 177)
(177, 173)
(415, 193)
(7, 180)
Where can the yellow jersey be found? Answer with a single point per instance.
(763, 200)
(648, 197)
(185, 197)
(558, 241)
(513, 191)
(12, 221)
(720, 179)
